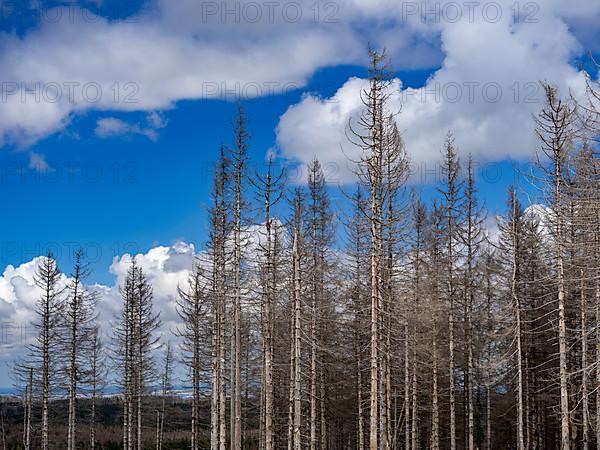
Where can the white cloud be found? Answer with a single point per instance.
(165, 267)
(37, 162)
(109, 127)
(485, 92)
(156, 120)
(152, 61)
(170, 51)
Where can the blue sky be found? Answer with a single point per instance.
(130, 173)
(125, 194)
(122, 194)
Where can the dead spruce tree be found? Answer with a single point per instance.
(434, 279)
(147, 322)
(555, 129)
(136, 340)
(27, 372)
(510, 244)
(471, 237)
(382, 171)
(395, 308)
(269, 186)
(124, 354)
(79, 318)
(368, 135)
(97, 379)
(39, 368)
(418, 268)
(358, 254)
(452, 197)
(318, 241)
(192, 308)
(166, 384)
(217, 261)
(296, 328)
(238, 179)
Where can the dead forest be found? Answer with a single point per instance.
(400, 321)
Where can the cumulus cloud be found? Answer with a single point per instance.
(170, 51)
(166, 268)
(485, 91)
(109, 127)
(163, 54)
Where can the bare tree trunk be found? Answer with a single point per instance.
(125, 421)
(562, 327)
(290, 440)
(555, 131)
(373, 415)
(232, 368)
(268, 362)
(359, 396)
(261, 426)
(196, 391)
(157, 430)
(520, 434)
(584, 368)
(97, 366)
(419, 219)
(77, 320)
(46, 367)
(72, 383)
(130, 410)
(297, 342)
(489, 330)
(515, 218)
(3, 431)
(470, 403)
(222, 379)
(323, 410)
(126, 376)
(435, 412)
(214, 410)
(472, 238)
(415, 402)
(270, 184)
(130, 376)
(140, 375)
(29, 402)
(357, 232)
(407, 398)
(488, 418)
(25, 415)
(93, 419)
(313, 367)
(451, 169)
(162, 427)
(241, 138)
(46, 389)
(451, 347)
(597, 306)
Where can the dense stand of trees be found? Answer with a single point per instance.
(397, 322)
